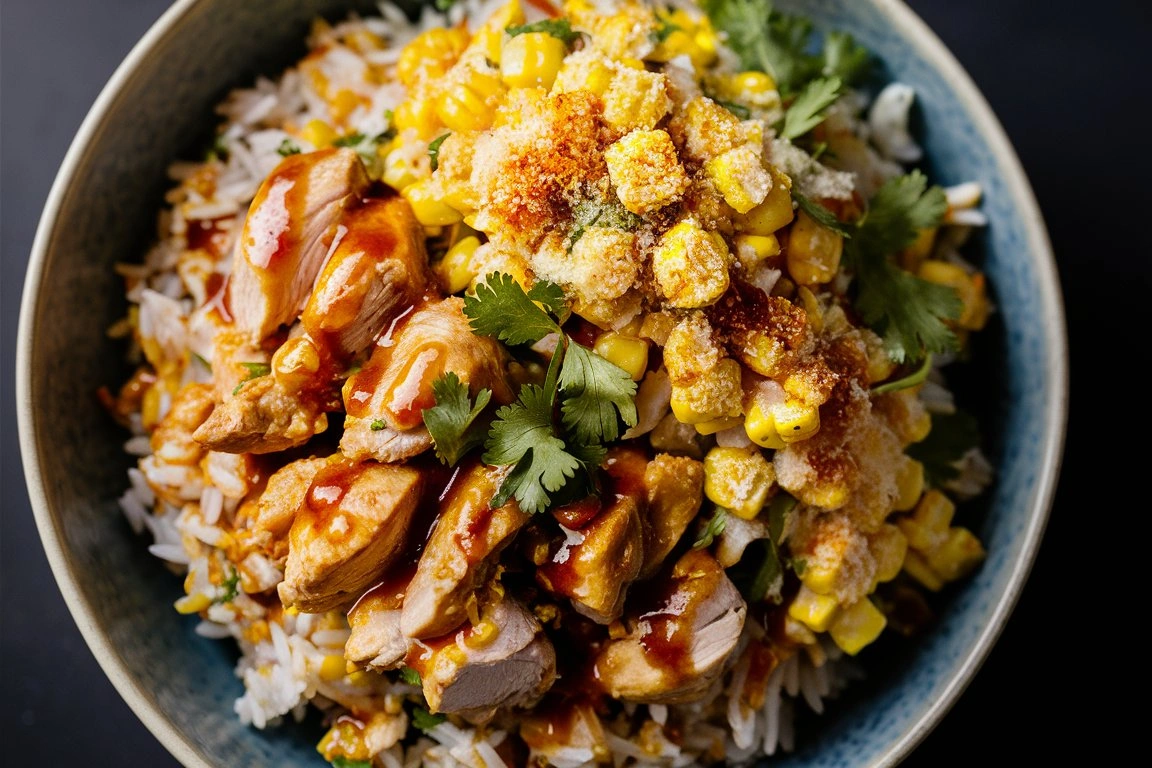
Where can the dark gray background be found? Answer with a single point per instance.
(1068, 79)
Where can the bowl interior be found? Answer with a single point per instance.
(160, 107)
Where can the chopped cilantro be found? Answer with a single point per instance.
(664, 30)
(230, 587)
(713, 528)
(502, 309)
(444, 5)
(916, 378)
(425, 720)
(347, 762)
(351, 140)
(739, 110)
(558, 28)
(845, 58)
(821, 215)
(952, 436)
(377, 425)
(798, 565)
(778, 510)
(600, 213)
(255, 371)
(595, 391)
(200, 359)
(434, 150)
(288, 148)
(452, 421)
(810, 107)
(766, 581)
(410, 676)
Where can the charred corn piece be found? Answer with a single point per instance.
(814, 610)
(625, 352)
(857, 626)
(739, 479)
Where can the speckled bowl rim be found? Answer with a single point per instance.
(911, 28)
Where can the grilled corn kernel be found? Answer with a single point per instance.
(318, 133)
(917, 567)
(957, 555)
(455, 270)
(888, 547)
(880, 364)
(430, 55)
(399, 172)
(714, 395)
(333, 667)
(583, 74)
(796, 421)
(909, 484)
(691, 266)
(429, 210)
(928, 526)
(760, 425)
(754, 250)
(490, 38)
(646, 171)
(814, 251)
(636, 98)
(719, 425)
(813, 610)
(971, 289)
(626, 352)
(739, 479)
(857, 626)
(740, 178)
(532, 59)
(775, 212)
(467, 105)
(193, 603)
(418, 115)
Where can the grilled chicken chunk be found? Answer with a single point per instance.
(503, 661)
(263, 417)
(287, 235)
(595, 565)
(680, 636)
(461, 552)
(284, 495)
(378, 268)
(674, 489)
(570, 733)
(376, 640)
(385, 399)
(350, 529)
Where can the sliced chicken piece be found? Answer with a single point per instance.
(595, 565)
(461, 553)
(376, 640)
(284, 495)
(351, 528)
(674, 488)
(264, 416)
(234, 358)
(502, 661)
(377, 270)
(172, 440)
(385, 399)
(680, 637)
(287, 235)
(565, 733)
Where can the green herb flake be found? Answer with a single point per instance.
(664, 30)
(810, 107)
(739, 110)
(713, 528)
(843, 57)
(821, 215)
(434, 150)
(347, 762)
(425, 720)
(501, 308)
(377, 425)
(288, 148)
(230, 587)
(351, 140)
(952, 436)
(255, 371)
(452, 422)
(410, 676)
(200, 359)
(914, 379)
(560, 28)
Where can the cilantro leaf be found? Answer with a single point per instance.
(767, 579)
(664, 30)
(501, 308)
(231, 587)
(444, 5)
(845, 58)
(351, 140)
(523, 434)
(952, 436)
(425, 720)
(907, 311)
(377, 425)
(595, 391)
(255, 371)
(410, 676)
(739, 110)
(346, 762)
(558, 28)
(916, 378)
(778, 510)
(821, 215)
(434, 150)
(452, 421)
(714, 527)
(810, 107)
(765, 40)
(200, 359)
(288, 148)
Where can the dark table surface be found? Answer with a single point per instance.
(1069, 81)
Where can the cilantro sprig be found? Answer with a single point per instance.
(434, 150)
(452, 421)
(425, 720)
(553, 433)
(230, 589)
(810, 107)
(255, 371)
(821, 215)
(713, 528)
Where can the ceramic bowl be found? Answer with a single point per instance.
(159, 106)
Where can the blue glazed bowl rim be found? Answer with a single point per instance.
(910, 28)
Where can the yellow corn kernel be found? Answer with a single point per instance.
(719, 425)
(714, 395)
(814, 251)
(467, 105)
(343, 104)
(971, 289)
(909, 484)
(920, 427)
(917, 567)
(813, 610)
(398, 171)
(532, 59)
(418, 115)
(455, 270)
(193, 603)
(754, 250)
(635, 98)
(928, 526)
(774, 213)
(333, 667)
(740, 178)
(625, 352)
(150, 407)
(888, 546)
(429, 210)
(583, 74)
(739, 479)
(691, 266)
(957, 555)
(753, 82)
(857, 626)
(482, 634)
(490, 38)
(796, 421)
(431, 54)
(760, 424)
(880, 364)
(318, 133)
(646, 171)
(812, 308)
